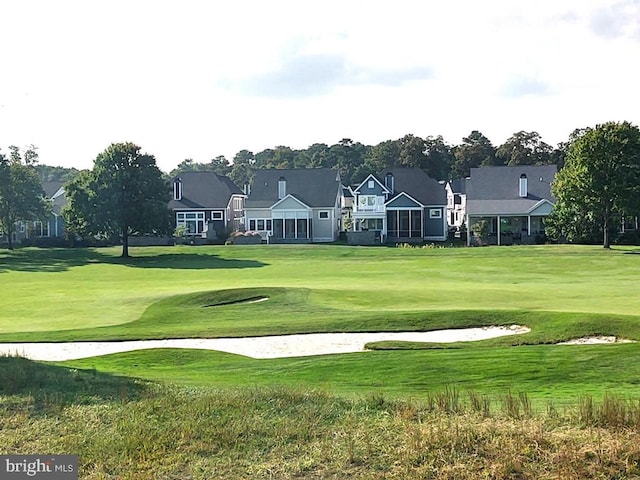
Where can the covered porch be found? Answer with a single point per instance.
(508, 230)
(405, 224)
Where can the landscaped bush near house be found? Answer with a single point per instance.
(630, 237)
(244, 238)
(480, 231)
(43, 242)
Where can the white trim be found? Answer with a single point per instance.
(293, 198)
(374, 178)
(177, 189)
(403, 194)
(432, 212)
(541, 202)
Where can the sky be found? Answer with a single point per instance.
(202, 78)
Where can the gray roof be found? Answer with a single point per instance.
(459, 185)
(50, 189)
(495, 190)
(315, 187)
(416, 183)
(204, 190)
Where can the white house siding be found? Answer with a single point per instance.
(252, 217)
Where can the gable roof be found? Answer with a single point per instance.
(51, 188)
(315, 187)
(417, 184)
(495, 190)
(54, 191)
(204, 190)
(403, 200)
(375, 179)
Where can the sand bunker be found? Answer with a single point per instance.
(257, 347)
(595, 340)
(240, 302)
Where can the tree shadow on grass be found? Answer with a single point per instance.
(49, 386)
(61, 259)
(185, 261)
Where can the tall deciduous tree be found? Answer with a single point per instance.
(475, 150)
(21, 195)
(124, 193)
(438, 158)
(600, 182)
(524, 148)
(243, 168)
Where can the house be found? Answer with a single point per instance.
(206, 204)
(456, 203)
(52, 227)
(400, 205)
(295, 205)
(513, 201)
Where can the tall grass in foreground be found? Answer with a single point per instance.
(126, 430)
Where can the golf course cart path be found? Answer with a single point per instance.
(256, 347)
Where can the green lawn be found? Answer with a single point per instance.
(561, 292)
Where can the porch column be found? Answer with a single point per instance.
(499, 243)
(410, 224)
(528, 225)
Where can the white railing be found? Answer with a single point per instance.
(369, 208)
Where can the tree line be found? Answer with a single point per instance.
(355, 160)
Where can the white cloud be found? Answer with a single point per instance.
(199, 79)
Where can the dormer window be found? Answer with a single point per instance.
(522, 190)
(177, 189)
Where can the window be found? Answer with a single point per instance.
(41, 229)
(237, 203)
(371, 224)
(217, 216)
(192, 221)
(435, 213)
(368, 202)
(260, 224)
(177, 189)
(323, 215)
(370, 184)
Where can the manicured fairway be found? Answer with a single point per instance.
(560, 292)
